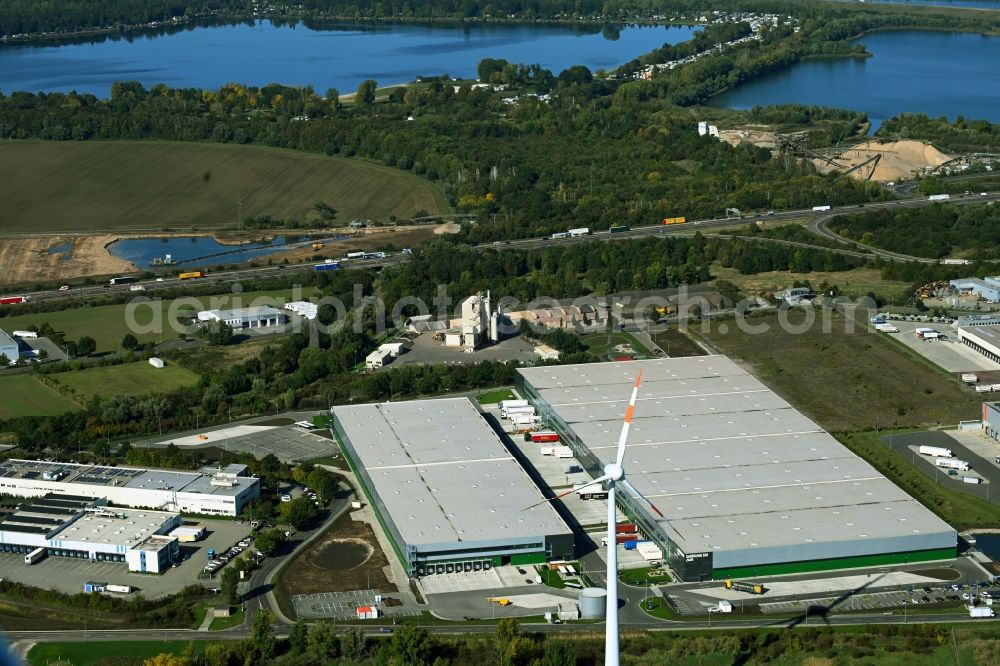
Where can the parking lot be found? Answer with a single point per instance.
(343, 605)
(948, 353)
(287, 443)
(68, 575)
(863, 602)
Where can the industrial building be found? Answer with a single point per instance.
(991, 420)
(85, 528)
(256, 317)
(450, 495)
(383, 355)
(9, 348)
(210, 491)
(748, 484)
(479, 324)
(987, 288)
(982, 337)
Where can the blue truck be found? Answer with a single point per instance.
(327, 266)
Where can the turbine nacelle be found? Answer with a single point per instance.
(614, 472)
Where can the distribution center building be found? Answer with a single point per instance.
(216, 492)
(448, 492)
(85, 528)
(749, 485)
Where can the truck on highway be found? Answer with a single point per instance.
(953, 463)
(14, 300)
(35, 556)
(821, 209)
(582, 231)
(618, 228)
(121, 280)
(981, 611)
(939, 197)
(327, 266)
(354, 255)
(935, 451)
(191, 275)
(560, 234)
(752, 588)
(136, 287)
(674, 220)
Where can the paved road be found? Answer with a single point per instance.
(817, 222)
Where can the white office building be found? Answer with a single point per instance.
(84, 528)
(210, 491)
(257, 317)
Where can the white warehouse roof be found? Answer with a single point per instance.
(729, 462)
(443, 474)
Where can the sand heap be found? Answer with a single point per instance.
(900, 159)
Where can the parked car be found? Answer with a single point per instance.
(286, 498)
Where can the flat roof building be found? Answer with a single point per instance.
(85, 528)
(451, 496)
(986, 288)
(217, 492)
(9, 347)
(749, 485)
(255, 317)
(984, 338)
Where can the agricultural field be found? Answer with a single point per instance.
(137, 378)
(25, 395)
(53, 186)
(108, 324)
(844, 381)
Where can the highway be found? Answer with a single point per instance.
(817, 221)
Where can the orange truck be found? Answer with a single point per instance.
(192, 275)
(674, 220)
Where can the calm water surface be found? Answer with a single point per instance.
(338, 56)
(937, 73)
(142, 251)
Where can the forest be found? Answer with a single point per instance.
(960, 135)
(936, 231)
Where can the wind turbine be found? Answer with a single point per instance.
(614, 474)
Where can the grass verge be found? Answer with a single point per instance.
(493, 397)
(84, 653)
(223, 623)
(641, 577)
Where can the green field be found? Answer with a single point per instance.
(88, 654)
(845, 381)
(603, 345)
(107, 324)
(84, 185)
(24, 395)
(129, 379)
(493, 397)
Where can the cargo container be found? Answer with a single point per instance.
(35, 556)
(725, 607)
(548, 450)
(975, 480)
(630, 545)
(563, 452)
(327, 266)
(119, 589)
(191, 275)
(939, 197)
(523, 420)
(14, 300)
(952, 463)
(582, 231)
(626, 528)
(970, 378)
(507, 404)
(91, 588)
(821, 209)
(752, 588)
(544, 436)
(935, 451)
(624, 539)
(24, 334)
(121, 280)
(592, 491)
(354, 255)
(984, 388)
(674, 220)
(507, 413)
(137, 287)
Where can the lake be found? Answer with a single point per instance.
(937, 73)
(143, 251)
(340, 56)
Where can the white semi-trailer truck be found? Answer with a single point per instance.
(952, 463)
(935, 451)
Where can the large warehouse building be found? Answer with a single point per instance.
(748, 484)
(214, 492)
(85, 528)
(450, 495)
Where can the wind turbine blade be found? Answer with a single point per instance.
(635, 493)
(600, 479)
(628, 419)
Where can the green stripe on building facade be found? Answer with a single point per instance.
(837, 563)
